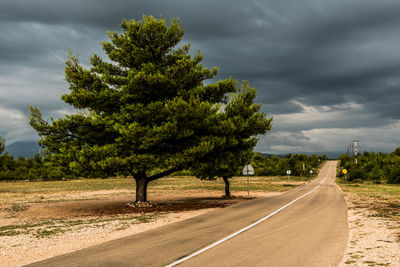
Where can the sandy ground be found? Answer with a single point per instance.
(373, 241)
(24, 249)
(47, 229)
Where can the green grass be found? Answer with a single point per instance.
(41, 233)
(17, 207)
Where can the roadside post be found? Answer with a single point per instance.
(248, 170)
(344, 171)
(288, 173)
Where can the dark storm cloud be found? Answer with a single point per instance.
(314, 53)
(349, 20)
(352, 53)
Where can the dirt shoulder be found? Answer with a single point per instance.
(33, 231)
(374, 232)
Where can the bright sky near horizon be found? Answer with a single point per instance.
(327, 70)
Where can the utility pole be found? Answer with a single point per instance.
(355, 148)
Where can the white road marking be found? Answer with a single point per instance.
(245, 228)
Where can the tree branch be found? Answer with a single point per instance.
(162, 174)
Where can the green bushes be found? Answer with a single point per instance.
(371, 166)
(28, 169)
(274, 165)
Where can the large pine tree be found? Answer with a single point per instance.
(144, 112)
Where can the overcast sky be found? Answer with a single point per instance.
(327, 71)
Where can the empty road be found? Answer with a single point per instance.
(309, 229)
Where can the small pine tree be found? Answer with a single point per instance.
(242, 122)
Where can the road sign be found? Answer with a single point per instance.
(344, 171)
(311, 172)
(248, 170)
(288, 173)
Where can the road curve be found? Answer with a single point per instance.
(310, 232)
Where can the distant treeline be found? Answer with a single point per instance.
(28, 169)
(375, 167)
(37, 168)
(275, 165)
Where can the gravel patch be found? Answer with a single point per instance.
(373, 241)
(27, 248)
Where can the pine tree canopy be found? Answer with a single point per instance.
(247, 122)
(145, 111)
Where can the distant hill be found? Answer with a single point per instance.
(329, 154)
(270, 155)
(26, 149)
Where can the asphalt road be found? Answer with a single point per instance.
(312, 231)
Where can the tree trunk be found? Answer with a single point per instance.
(227, 190)
(141, 188)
